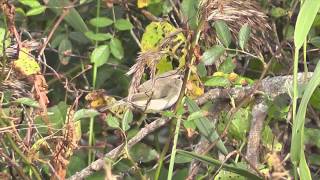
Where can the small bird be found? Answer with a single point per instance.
(155, 95)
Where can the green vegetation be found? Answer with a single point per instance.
(159, 89)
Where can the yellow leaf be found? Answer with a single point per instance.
(194, 88)
(96, 98)
(97, 103)
(218, 74)
(143, 3)
(233, 77)
(156, 33)
(26, 64)
(114, 107)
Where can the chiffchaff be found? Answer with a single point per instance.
(156, 95)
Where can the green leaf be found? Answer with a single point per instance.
(116, 48)
(189, 124)
(314, 159)
(164, 65)
(288, 32)
(42, 142)
(316, 22)
(98, 36)
(126, 120)
(244, 35)
(79, 37)
(190, 9)
(315, 99)
(123, 24)
(217, 81)
(20, 11)
(312, 137)
(227, 175)
(223, 32)
(77, 162)
(182, 159)
(227, 65)
(297, 150)
(304, 22)
(195, 115)
(279, 107)
(269, 140)
(27, 101)
(202, 123)
(304, 168)
(168, 114)
(85, 113)
(30, 3)
(278, 12)
(83, 1)
(58, 114)
(100, 55)
(101, 22)
(2, 37)
(143, 153)
(57, 40)
(205, 127)
(112, 121)
(158, 9)
(212, 54)
(181, 173)
(73, 18)
(239, 126)
(65, 48)
(315, 41)
(57, 117)
(36, 10)
(216, 163)
(201, 70)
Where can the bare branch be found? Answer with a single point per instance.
(259, 113)
(271, 87)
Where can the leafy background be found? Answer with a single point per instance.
(92, 46)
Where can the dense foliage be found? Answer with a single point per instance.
(159, 89)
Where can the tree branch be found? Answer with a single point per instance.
(259, 113)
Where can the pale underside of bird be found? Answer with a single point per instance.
(155, 95)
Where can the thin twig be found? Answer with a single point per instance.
(54, 28)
